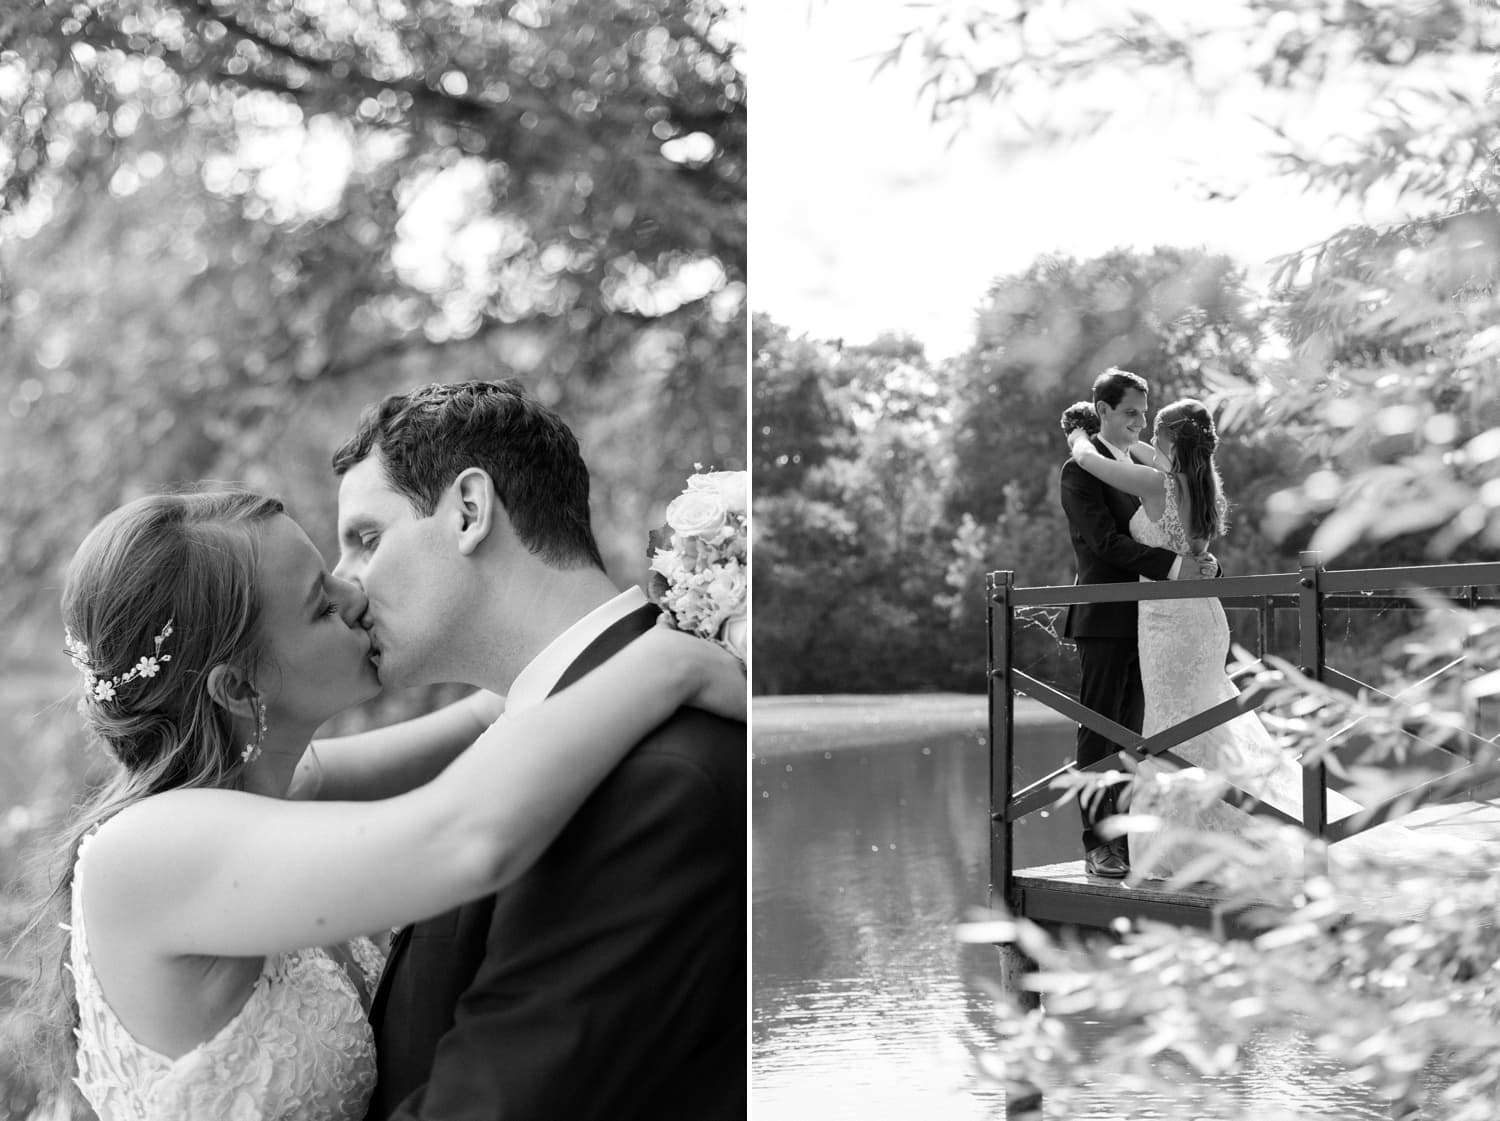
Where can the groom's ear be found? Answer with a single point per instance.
(478, 507)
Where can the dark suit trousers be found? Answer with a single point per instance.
(1111, 686)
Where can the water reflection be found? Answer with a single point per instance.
(864, 858)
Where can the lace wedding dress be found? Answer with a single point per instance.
(1183, 645)
(299, 1050)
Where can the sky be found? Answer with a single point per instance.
(868, 218)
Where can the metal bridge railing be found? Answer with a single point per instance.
(1312, 592)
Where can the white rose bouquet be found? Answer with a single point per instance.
(700, 562)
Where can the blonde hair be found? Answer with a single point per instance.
(1194, 440)
(193, 559)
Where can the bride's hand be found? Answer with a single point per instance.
(715, 678)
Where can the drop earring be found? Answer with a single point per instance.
(252, 750)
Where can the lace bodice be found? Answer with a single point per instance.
(300, 1049)
(1167, 533)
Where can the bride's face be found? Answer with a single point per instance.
(1163, 444)
(310, 623)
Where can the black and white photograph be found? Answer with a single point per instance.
(1126, 435)
(395, 393)
(375, 543)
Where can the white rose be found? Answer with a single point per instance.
(732, 486)
(696, 513)
(666, 561)
(736, 635)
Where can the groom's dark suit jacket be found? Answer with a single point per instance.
(1099, 525)
(610, 980)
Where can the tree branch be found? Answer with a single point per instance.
(457, 108)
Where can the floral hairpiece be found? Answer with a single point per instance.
(104, 688)
(1201, 433)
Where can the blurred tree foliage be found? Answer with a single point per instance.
(1381, 970)
(213, 215)
(226, 227)
(1173, 316)
(799, 422)
(848, 450)
(1390, 376)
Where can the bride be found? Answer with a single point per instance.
(1183, 644)
(209, 917)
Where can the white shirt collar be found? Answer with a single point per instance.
(541, 675)
(1119, 453)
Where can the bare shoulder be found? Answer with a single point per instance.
(170, 809)
(136, 849)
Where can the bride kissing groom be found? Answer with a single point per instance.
(568, 842)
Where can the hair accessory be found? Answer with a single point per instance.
(252, 750)
(105, 688)
(1195, 429)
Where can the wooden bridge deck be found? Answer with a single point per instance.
(1062, 894)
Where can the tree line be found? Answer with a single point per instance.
(889, 484)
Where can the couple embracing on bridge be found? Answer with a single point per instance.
(1151, 511)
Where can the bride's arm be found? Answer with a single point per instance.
(384, 762)
(224, 873)
(1133, 478)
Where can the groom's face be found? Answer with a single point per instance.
(397, 557)
(1122, 424)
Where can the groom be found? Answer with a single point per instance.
(1105, 633)
(610, 980)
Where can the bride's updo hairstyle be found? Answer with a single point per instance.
(185, 564)
(1191, 428)
(188, 560)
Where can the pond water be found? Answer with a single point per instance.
(870, 842)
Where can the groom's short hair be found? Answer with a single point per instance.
(428, 436)
(1111, 386)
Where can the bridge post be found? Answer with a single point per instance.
(1001, 615)
(1267, 615)
(1313, 653)
(1014, 964)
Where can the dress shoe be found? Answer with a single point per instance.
(1105, 861)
